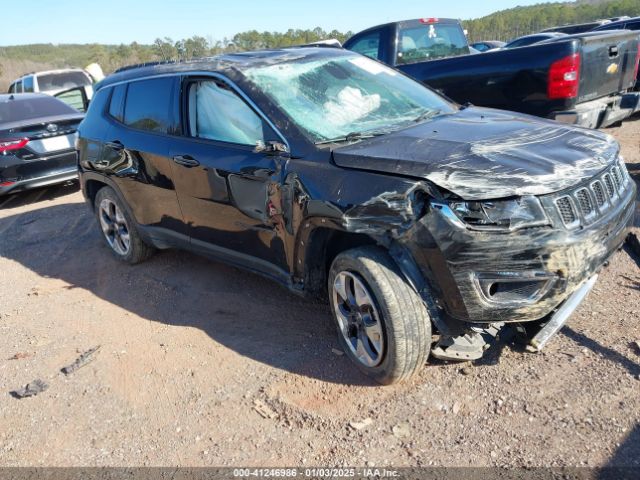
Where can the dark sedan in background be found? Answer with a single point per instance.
(487, 45)
(37, 141)
(533, 39)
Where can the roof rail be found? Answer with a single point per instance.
(329, 43)
(146, 64)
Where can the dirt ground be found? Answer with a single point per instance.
(201, 364)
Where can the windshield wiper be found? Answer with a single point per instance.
(352, 137)
(427, 115)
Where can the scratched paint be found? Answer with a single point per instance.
(451, 255)
(481, 154)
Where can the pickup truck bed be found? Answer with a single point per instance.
(580, 79)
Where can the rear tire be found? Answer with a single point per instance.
(119, 230)
(383, 324)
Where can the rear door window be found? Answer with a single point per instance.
(368, 45)
(430, 41)
(217, 113)
(148, 105)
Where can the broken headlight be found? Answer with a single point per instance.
(513, 214)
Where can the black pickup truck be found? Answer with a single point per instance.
(579, 79)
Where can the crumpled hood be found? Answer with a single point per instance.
(487, 154)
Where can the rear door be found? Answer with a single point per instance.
(135, 155)
(228, 189)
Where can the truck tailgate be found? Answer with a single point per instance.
(607, 64)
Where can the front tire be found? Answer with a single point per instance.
(119, 229)
(383, 324)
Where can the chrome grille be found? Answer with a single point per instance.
(616, 177)
(565, 208)
(598, 190)
(584, 200)
(609, 184)
(625, 174)
(586, 204)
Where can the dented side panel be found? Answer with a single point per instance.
(451, 257)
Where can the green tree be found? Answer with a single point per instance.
(165, 48)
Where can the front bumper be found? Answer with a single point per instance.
(552, 262)
(602, 112)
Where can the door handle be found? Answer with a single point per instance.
(186, 160)
(115, 145)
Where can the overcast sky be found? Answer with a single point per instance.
(124, 21)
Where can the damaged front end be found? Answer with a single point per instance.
(482, 264)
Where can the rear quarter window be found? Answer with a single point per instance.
(148, 105)
(98, 103)
(117, 102)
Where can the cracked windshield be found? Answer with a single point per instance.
(332, 98)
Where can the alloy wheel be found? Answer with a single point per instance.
(114, 226)
(358, 319)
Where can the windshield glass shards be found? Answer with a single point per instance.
(346, 97)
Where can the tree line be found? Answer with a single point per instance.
(512, 23)
(112, 57)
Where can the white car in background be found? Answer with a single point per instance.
(74, 86)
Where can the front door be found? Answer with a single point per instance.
(228, 185)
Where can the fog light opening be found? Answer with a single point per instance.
(510, 288)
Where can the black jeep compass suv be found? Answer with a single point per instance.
(331, 173)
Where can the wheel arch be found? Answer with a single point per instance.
(319, 243)
(92, 183)
(91, 189)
